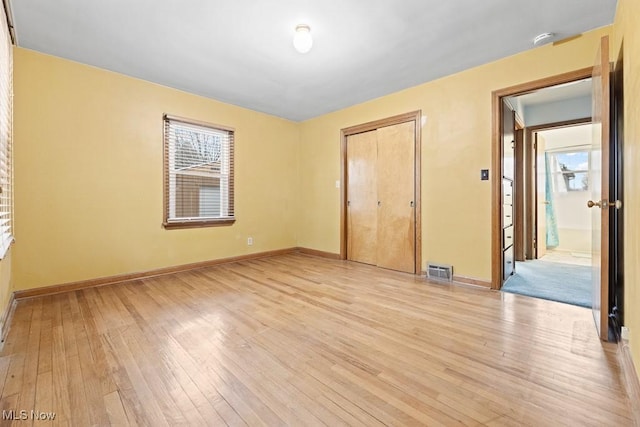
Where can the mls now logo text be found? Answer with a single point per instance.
(24, 415)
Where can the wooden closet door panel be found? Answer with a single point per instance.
(396, 193)
(362, 212)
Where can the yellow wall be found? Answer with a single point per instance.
(626, 29)
(88, 175)
(456, 144)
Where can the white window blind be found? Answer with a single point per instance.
(198, 186)
(6, 133)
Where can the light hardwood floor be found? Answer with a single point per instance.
(300, 340)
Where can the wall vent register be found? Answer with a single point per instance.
(440, 272)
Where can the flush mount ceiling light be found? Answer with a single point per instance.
(302, 40)
(543, 38)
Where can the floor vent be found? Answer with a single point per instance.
(440, 272)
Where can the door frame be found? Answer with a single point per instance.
(496, 157)
(532, 205)
(413, 116)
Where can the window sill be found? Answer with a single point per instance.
(174, 225)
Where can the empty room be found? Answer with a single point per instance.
(305, 212)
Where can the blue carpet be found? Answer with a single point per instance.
(553, 281)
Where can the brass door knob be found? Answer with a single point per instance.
(600, 203)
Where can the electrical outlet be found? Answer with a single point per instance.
(249, 241)
(624, 333)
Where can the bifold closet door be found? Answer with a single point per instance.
(362, 198)
(396, 195)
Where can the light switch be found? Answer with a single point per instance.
(484, 174)
(338, 184)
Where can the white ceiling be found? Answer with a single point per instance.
(240, 51)
(577, 89)
(566, 101)
(571, 136)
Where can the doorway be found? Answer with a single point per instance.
(511, 186)
(380, 208)
(553, 254)
(604, 205)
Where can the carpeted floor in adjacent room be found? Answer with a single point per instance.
(553, 281)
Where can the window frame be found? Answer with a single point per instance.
(169, 223)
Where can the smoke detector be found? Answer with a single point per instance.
(543, 38)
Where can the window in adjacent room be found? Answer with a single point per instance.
(6, 132)
(198, 187)
(570, 169)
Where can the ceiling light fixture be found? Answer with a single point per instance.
(543, 38)
(302, 40)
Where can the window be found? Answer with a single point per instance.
(198, 169)
(570, 170)
(6, 133)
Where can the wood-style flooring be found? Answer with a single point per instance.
(299, 340)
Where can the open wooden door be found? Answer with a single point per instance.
(541, 197)
(599, 180)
